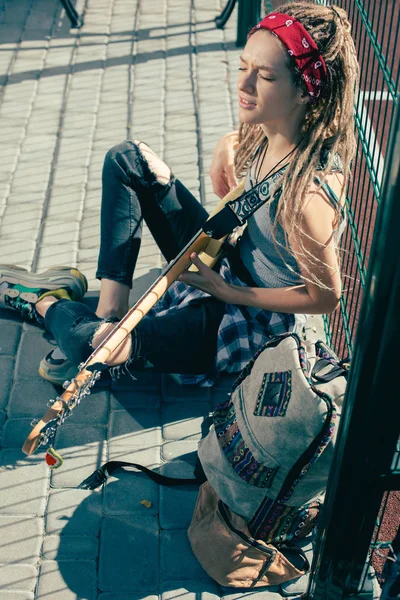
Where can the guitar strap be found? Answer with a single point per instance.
(236, 212)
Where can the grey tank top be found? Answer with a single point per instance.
(268, 266)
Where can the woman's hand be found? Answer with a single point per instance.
(222, 170)
(206, 280)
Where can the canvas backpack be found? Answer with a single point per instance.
(266, 461)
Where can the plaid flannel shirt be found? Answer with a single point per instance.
(242, 331)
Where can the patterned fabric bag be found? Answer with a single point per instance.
(265, 464)
(267, 459)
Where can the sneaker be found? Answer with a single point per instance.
(20, 290)
(56, 368)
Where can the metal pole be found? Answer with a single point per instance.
(76, 20)
(370, 423)
(249, 12)
(222, 19)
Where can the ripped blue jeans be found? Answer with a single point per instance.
(182, 341)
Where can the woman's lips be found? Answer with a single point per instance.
(243, 103)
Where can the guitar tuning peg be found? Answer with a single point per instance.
(34, 422)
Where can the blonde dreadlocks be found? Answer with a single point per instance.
(329, 122)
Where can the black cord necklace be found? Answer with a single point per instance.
(260, 160)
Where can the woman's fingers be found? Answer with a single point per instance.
(230, 176)
(199, 263)
(220, 186)
(222, 165)
(192, 278)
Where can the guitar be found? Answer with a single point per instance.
(45, 429)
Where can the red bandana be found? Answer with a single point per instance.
(300, 46)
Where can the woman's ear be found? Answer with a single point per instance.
(304, 97)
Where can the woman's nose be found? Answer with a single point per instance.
(247, 81)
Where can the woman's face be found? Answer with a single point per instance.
(267, 93)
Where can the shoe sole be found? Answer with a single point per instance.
(53, 379)
(52, 279)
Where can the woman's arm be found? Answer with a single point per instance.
(222, 169)
(318, 259)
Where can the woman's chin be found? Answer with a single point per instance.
(246, 117)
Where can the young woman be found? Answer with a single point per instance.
(297, 77)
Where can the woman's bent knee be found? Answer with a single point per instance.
(134, 161)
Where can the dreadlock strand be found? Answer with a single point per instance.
(329, 123)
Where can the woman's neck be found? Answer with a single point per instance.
(282, 136)
(279, 145)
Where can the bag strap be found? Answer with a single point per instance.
(100, 476)
(340, 369)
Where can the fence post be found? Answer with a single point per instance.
(249, 12)
(369, 428)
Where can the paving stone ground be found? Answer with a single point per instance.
(160, 71)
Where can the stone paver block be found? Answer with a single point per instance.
(32, 349)
(178, 562)
(62, 547)
(79, 463)
(18, 578)
(15, 432)
(184, 421)
(177, 502)
(74, 512)
(29, 397)
(16, 251)
(129, 596)
(123, 495)
(131, 399)
(93, 408)
(78, 437)
(67, 580)
(21, 539)
(182, 449)
(133, 563)
(148, 457)
(270, 593)
(206, 590)
(16, 595)
(141, 429)
(174, 392)
(6, 371)
(10, 335)
(24, 483)
(221, 390)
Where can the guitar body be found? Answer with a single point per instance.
(45, 429)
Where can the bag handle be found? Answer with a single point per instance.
(340, 368)
(100, 476)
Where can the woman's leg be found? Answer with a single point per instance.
(181, 341)
(78, 331)
(137, 186)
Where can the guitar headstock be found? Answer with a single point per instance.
(44, 430)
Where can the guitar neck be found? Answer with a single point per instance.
(197, 244)
(62, 407)
(170, 274)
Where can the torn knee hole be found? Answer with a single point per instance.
(121, 353)
(157, 168)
